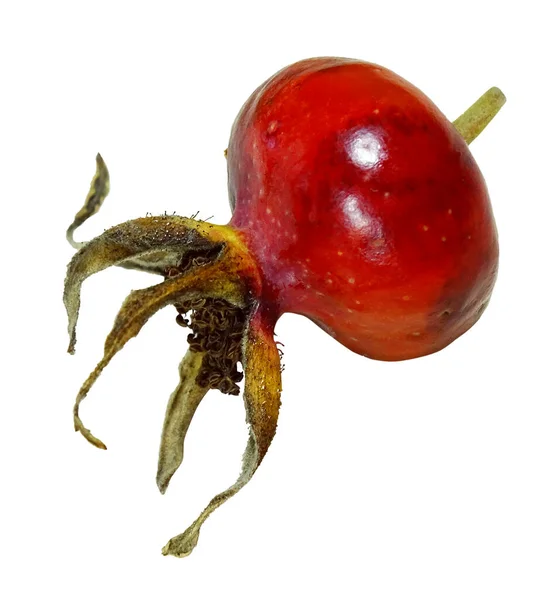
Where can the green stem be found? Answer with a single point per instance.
(478, 115)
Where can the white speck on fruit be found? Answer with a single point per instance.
(468, 237)
(415, 333)
(358, 302)
(406, 298)
(376, 111)
(261, 192)
(268, 210)
(449, 211)
(307, 259)
(425, 228)
(354, 339)
(329, 281)
(351, 280)
(349, 310)
(319, 293)
(443, 239)
(386, 194)
(273, 125)
(339, 252)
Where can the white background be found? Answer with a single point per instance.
(422, 479)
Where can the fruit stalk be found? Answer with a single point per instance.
(473, 121)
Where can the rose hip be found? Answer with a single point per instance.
(356, 203)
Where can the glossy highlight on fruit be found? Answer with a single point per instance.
(356, 203)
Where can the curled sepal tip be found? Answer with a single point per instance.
(98, 190)
(78, 426)
(208, 280)
(262, 389)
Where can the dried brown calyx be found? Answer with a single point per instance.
(217, 281)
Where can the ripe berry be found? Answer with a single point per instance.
(355, 203)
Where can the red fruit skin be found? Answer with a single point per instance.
(363, 207)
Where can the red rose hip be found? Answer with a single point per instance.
(356, 203)
(363, 206)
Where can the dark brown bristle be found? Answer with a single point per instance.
(217, 331)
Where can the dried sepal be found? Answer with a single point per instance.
(149, 244)
(210, 280)
(262, 401)
(180, 410)
(99, 189)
